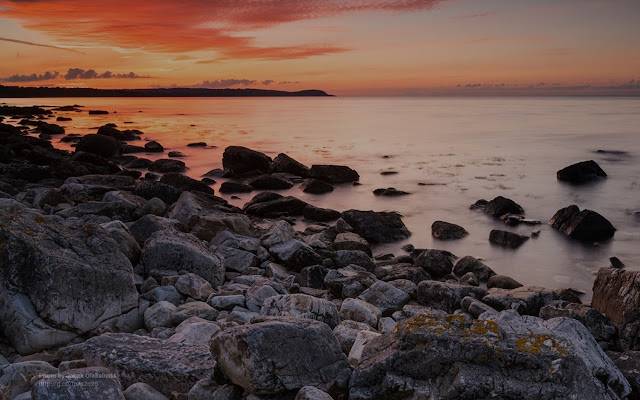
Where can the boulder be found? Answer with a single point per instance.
(230, 187)
(153, 147)
(312, 393)
(276, 207)
(173, 250)
(447, 231)
(312, 276)
(313, 213)
(193, 286)
(389, 192)
(505, 356)
(183, 182)
(334, 173)
(150, 189)
(159, 315)
(78, 384)
(295, 254)
(143, 228)
(507, 239)
(16, 378)
(628, 363)
(377, 227)
(281, 355)
(286, 164)
(582, 172)
(238, 160)
(270, 182)
(101, 145)
(72, 275)
(166, 365)
(301, 306)
(192, 309)
(499, 207)
(316, 186)
(360, 311)
(397, 271)
(385, 296)
(471, 264)
(343, 258)
(349, 281)
(165, 165)
(599, 326)
(235, 259)
(351, 241)
(585, 225)
(347, 331)
(503, 282)
(526, 299)
(437, 263)
(446, 296)
(142, 391)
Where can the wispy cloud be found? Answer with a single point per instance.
(28, 43)
(46, 76)
(192, 25)
(79, 73)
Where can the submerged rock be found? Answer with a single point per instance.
(582, 172)
(507, 239)
(585, 225)
(316, 186)
(499, 207)
(334, 173)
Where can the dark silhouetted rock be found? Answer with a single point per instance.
(499, 207)
(101, 145)
(284, 163)
(334, 173)
(437, 263)
(507, 239)
(390, 192)
(377, 227)
(280, 206)
(98, 112)
(585, 225)
(153, 147)
(270, 182)
(197, 144)
(150, 189)
(447, 231)
(184, 182)
(503, 282)
(234, 187)
(314, 213)
(316, 186)
(582, 172)
(238, 160)
(471, 264)
(167, 165)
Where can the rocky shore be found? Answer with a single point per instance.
(124, 278)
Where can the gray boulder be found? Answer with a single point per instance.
(447, 231)
(281, 355)
(301, 306)
(445, 296)
(16, 378)
(349, 281)
(295, 254)
(149, 224)
(360, 311)
(142, 391)
(471, 264)
(437, 263)
(312, 393)
(193, 286)
(78, 384)
(385, 296)
(526, 299)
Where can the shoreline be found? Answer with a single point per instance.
(182, 254)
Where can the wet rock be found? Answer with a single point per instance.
(526, 299)
(499, 207)
(616, 263)
(153, 147)
(313, 213)
(446, 296)
(507, 239)
(276, 207)
(349, 281)
(385, 296)
(301, 306)
(70, 274)
(142, 391)
(98, 112)
(229, 187)
(447, 231)
(295, 254)
(167, 366)
(582, 172)
(238, 160)
(281, 355)
(471, 264)
(286, 164)
(112, 131)
(334, 173)
(389, 192)
(377, 227)
(503, 282)
(585, 225)
(598, 324)
(183, 182)
(78, 384)
(50, 129)
(101, 145)
(406, 271)
(270, 182)
(316, 186)
(165, 165)
(173, 250)
(437, 263)
(506, 356)
(343, 258)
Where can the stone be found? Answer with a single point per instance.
(406, 271)
(227, 302)
(389, 192)
(599, 326)
(313, 213)
(301, 306)
(377, 227)
(280, 232)
(582, 172)
(142, 391)
(312, 393)
(500, 206)
(151, 189)
(585, 225)
(159, 315)
(101, 145)
(183, 182)
(165, 165)
(126, 242)
(351, 241)
(437, 263)
(167, 366)
(362, 339)
(447, 231)
(257, 294)
(507, 239)
(235, 259)
(316, 186)
(78, 384)
(16, 377)
(526, 299)
(277, 207)
(194, 331)
(475, 307)
(471, 264)
(343, 258)
(169, 249)
(334, 173)
(67, 273)
(503, 282)
(147, 225)
(385, 296)
(360, 311)
(238, 160)
(349, 281)
(270, 182)
(164, 293)
(628, 363)
(230, 187)
(194, 309)
(194, 286)
(295, 254)
(153, 147)
(312, 276)
(286, 164)
(446, 296)
(281, 355)
(503, 356)
(346, 332)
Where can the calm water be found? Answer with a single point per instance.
(466, 149)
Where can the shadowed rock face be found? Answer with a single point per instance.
(238, 160)
(73, 274)
(281, 355)
(377, 227)
(504, 356)
(582, 172)
(585, 225)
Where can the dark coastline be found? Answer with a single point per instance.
(35, 92)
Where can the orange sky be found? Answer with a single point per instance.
(345, 47)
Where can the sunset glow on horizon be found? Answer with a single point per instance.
(360, 47)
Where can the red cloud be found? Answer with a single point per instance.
(188, 25)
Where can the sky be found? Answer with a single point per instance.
(346, 47)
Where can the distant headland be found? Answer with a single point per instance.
(28, 92)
